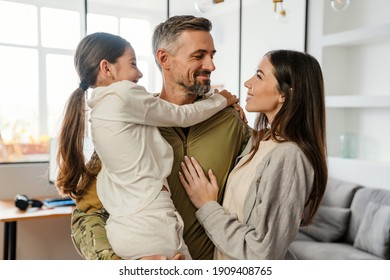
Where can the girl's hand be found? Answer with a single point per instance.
(200, 190)
(230, 98)
(241, 111)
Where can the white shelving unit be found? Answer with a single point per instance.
(358, 36)
(366, 173)
(353, 48)
(355, 101)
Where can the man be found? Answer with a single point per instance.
(184, 51)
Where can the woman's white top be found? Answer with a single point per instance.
(242, 176)
(136, 159)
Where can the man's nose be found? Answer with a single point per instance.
(209, 64)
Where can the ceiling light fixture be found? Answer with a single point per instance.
(339, 5)
(281, 14)
(278, 7)
(204, 6)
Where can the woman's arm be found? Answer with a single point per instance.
(272, 213)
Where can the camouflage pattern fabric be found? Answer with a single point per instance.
(89, 235)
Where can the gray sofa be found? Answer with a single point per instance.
(352, 223)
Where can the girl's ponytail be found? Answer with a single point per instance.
(73, 174)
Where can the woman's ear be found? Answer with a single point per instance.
(281, 97)
(162, 57)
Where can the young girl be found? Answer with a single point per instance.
(136, 160)
(279, 184)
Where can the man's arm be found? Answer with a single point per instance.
(89, 235)
(88, 221)
(90, 239)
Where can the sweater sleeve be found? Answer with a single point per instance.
(131, 103)
(164, 113)
(274, 207)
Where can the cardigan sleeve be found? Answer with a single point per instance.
(273, 209)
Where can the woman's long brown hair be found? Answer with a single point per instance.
(301, 118)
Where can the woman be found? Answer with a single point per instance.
(278, 185)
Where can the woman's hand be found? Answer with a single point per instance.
(200, 190)
(230, 98)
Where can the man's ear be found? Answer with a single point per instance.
(162, 57)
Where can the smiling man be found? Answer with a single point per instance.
(184, 51)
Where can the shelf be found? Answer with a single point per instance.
(353, 49)
(357, 101)
(366, 173)
(357, 36)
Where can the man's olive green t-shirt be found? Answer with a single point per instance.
(215, 143)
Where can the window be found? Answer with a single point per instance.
(137, 31)
(37, 49)
(38, 75)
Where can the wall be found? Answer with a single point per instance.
(261, 32)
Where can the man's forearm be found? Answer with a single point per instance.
(89, 235)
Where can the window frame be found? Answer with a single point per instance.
(83, 7)
(43, 52)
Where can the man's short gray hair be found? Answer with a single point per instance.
(166, 33)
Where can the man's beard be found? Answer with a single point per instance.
(196, 88)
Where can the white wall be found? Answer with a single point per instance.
(261, 32)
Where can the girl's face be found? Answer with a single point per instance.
(125, 68)
(263, 95)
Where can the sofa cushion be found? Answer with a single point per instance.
(373, 235)
(339, 193)
(309, 250)
(303, 237)
(359, 204)
(329, 224)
